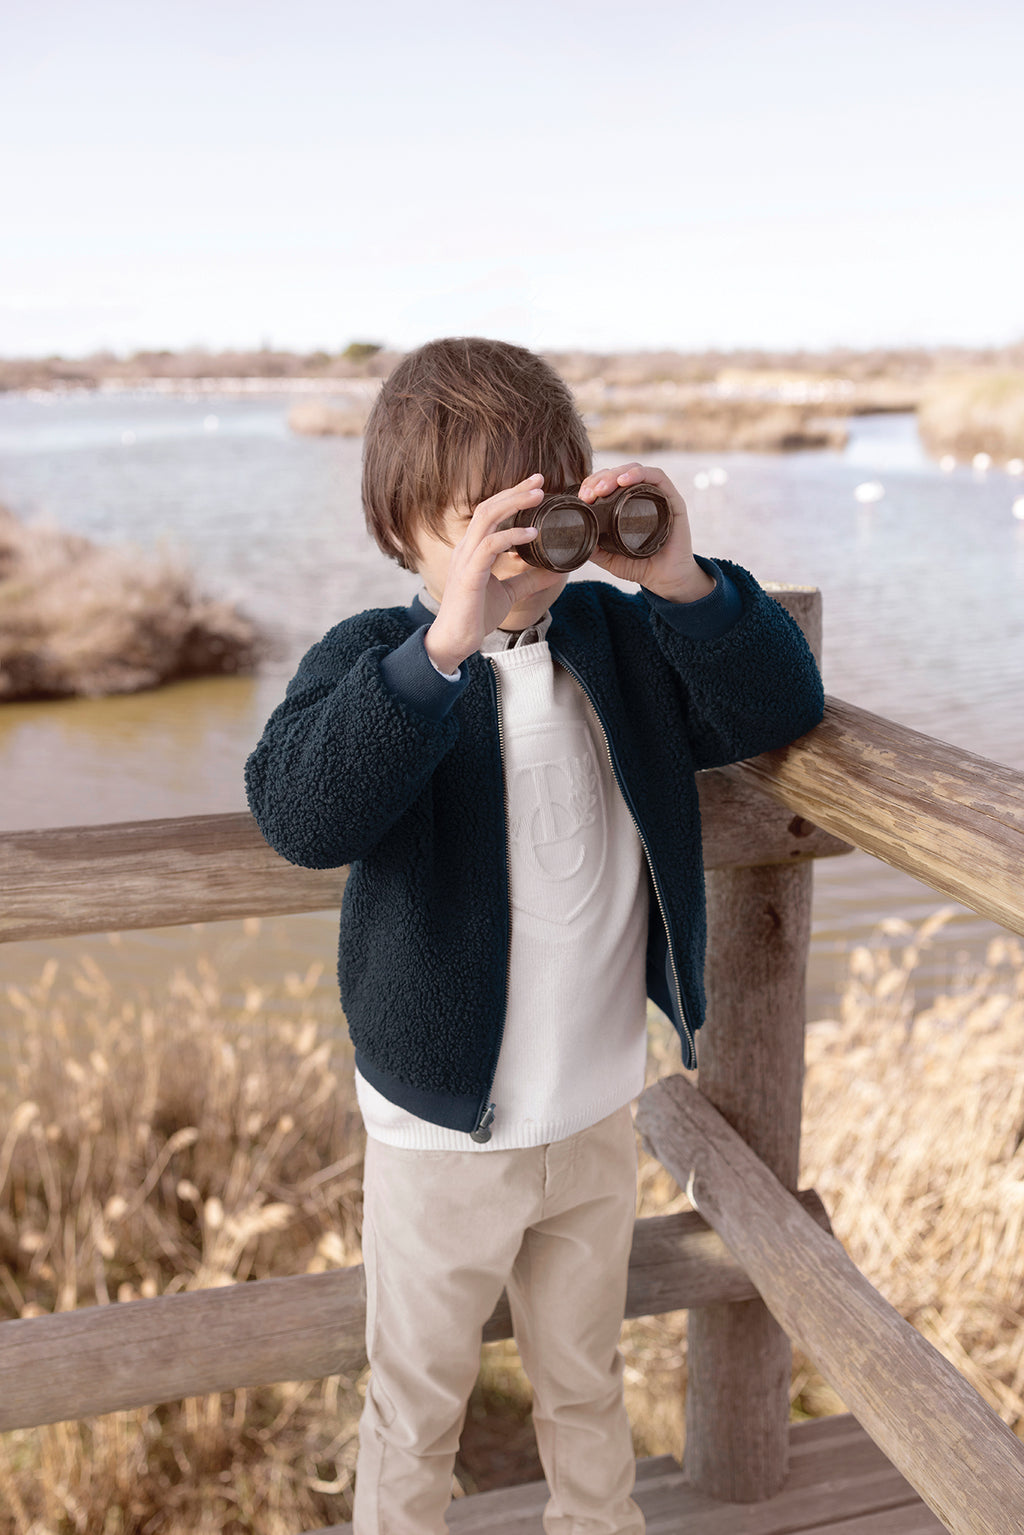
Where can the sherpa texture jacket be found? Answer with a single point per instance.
(375, 761)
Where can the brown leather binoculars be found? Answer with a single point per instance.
(634, 521)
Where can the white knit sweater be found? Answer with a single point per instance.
(574, 1044)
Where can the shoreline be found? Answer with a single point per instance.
(969, 401)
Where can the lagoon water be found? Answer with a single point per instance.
(923, 601)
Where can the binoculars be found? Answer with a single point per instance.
(634, 521)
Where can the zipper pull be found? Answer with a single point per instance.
(483, 1128)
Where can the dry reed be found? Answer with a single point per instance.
(82, 618)
(913, 1134)
(153, 1146)
(710, 425)
(157, 1146)
(318, 418)
(979, 411)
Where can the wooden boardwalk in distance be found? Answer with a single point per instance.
(839, 1483)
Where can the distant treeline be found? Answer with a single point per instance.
(364, 359)
(970, 400)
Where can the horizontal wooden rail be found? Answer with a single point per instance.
(933, 1426)
(138, 1353)
(136, 874)
(953, 820)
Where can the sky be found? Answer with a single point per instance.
(560, 173)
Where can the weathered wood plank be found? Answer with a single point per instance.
(739, 1360)
(951, 819)
(137, 874)
(841, 1485)
(911, 1519)
(933, 1426)
(107, 1358)
(744, 828)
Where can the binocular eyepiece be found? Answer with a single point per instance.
(634, 521)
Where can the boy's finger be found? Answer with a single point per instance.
(507, 502)
(504, 539)
(603, 481)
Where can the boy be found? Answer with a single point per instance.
(508, 766)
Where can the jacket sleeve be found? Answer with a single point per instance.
(344, 755)
(749, 680)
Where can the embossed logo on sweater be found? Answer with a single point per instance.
(556, 832)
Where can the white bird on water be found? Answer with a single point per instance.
(871, 490)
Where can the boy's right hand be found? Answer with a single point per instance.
(475, 598)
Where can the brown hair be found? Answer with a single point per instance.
(457, 421)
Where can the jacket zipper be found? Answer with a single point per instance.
(643, 843)
(485, 1118)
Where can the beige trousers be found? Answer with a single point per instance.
(443, 1233)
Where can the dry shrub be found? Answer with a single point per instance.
(315, 418)
(979, 411)
(158, 1147)
(707, 425)
(155, 1147)
(82, 618)
(913, 1134)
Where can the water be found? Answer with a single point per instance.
(924, 621)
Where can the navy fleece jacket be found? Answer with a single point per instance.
(376, 761)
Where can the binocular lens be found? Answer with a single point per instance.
(634, 522)
(565, 537)
(638, 523)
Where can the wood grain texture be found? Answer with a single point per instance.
(841, 1485)
(138, 874)
(106, 1358)
(743, 827)
(933, 1426)
(951, 819)
(751, 1054)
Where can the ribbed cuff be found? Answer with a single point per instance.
(709, 617)
(411, 676)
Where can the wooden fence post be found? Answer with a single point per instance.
(751, 1059)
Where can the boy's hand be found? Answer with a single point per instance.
(673, 572)
(475, 600)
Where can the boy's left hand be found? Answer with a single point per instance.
(673, 572)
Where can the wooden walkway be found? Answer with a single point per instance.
(839, 1483)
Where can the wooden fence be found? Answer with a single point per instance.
(757, 1264)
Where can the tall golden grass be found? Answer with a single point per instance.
(974, 411)
(210, 1135)
(83, 618)
(158, 1145)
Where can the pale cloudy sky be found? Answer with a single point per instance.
(556, 172)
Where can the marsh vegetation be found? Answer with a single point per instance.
(976, 411)
(77, 617)
(209, 1135)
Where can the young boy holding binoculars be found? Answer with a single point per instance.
(508, 767)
